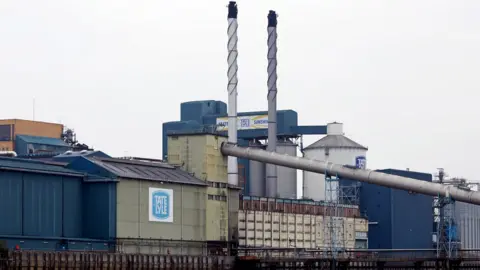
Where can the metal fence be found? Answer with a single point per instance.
(359, 254)
(84, 260)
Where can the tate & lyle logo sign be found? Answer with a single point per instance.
(244, 122)
(160, 205)
(361, 162)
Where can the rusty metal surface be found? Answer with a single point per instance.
(98, 260)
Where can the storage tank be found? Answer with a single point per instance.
(257, 173)
(286, 177)
(335, 148)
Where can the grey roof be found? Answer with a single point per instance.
(142, 170)
(335, 141)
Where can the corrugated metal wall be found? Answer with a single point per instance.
(99, 210)
(40, 205)
(467, 217)
(401, 220)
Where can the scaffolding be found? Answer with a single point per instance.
(445, 240)
(334, 232)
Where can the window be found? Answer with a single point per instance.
(217, 184)
(217, 198)
(5, 133)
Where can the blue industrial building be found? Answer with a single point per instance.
(202, 116)
(398, 219)
(47, 206)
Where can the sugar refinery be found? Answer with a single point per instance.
(226, 181)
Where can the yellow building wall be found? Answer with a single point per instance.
(200, 155)
(34, 128)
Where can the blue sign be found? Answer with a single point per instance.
(160, 206)
(361, 162)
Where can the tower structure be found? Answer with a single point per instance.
(334, 231)
(446, 240)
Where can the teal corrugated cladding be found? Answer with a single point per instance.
(100, 210)
(11, 202)
(72, 207)
(41, 205)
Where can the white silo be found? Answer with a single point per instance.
(335, 148)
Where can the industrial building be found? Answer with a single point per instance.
(44, 204)
(399, 219)
(34, 137)
(95, 202)
(265, 222)
(211, 116)
(467, 219)
(284, 223)
(186, 210)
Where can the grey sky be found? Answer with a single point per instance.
(401, 75)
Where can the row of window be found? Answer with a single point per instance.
(217, 184)
(217, 198)
(4, 149)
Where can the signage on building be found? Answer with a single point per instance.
(160, 205)
(361, 235)
(361, 162)
(244, 122)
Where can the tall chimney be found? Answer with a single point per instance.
(271, 170)
(232, 89)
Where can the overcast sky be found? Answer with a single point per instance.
(401, 75)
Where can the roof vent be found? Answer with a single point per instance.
(335, 129)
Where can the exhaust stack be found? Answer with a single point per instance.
(271, 170)
(347, 172)
(232, 89)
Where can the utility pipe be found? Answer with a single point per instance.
(352, 173)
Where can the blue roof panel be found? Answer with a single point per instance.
(41, 140)
(18, 164)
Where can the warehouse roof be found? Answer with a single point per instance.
(42, 140)
(335, 141)
(35, 166)
(142, 170)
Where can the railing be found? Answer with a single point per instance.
(84, 260)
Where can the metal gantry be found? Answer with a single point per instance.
(446, 240)
(334, 232)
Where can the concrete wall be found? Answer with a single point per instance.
(133, 213)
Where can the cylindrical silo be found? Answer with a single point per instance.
(335, 148)
(286, 177)
(257, 173)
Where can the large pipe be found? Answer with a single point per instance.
(368, 176)
(232, 89)
(271, 170)
(8, 153)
